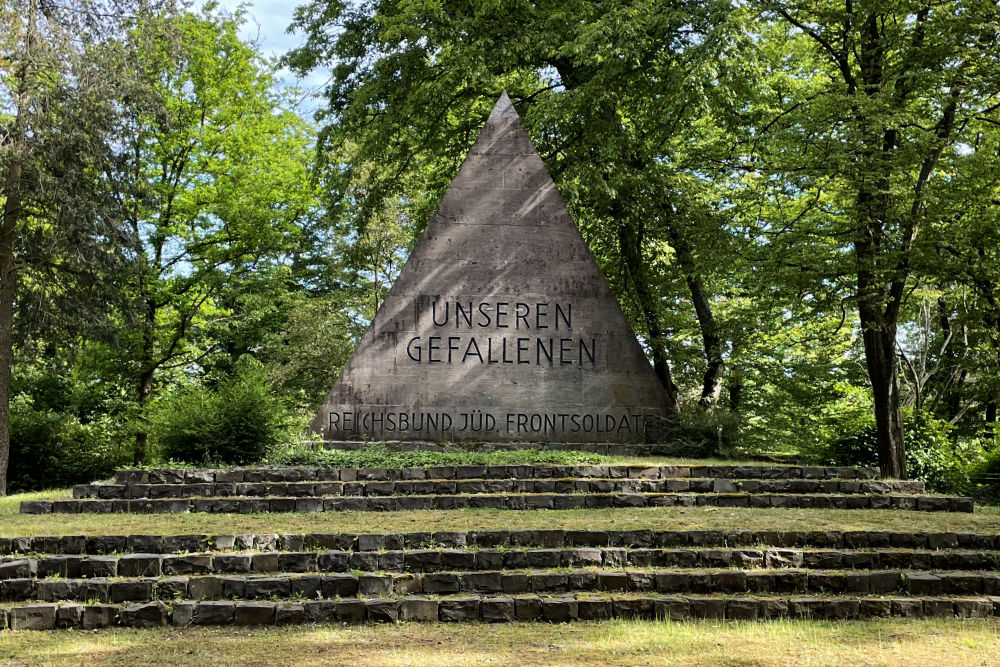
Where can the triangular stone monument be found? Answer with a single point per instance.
(500, 326)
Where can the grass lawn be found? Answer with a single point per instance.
(883, 642)
(986, 519)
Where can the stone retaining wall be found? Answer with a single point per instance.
(475, 608)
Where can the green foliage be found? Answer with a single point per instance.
(236, 422)
(377, 456)
(56, 449)
(933, 454)
(699, 433)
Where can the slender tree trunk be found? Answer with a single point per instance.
(715, 367)
(144, 385)
(880, 358)
(630, 244)
(8, 275)
(735, 394)
(12, 212)
(990, 418)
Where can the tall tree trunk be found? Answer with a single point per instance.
(630, 245)
(12, 212)
(8, 275)
(990, 418)
(715, 366)
(144, 384)
(882, 364)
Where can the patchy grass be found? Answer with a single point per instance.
(882, 642)
(985, 520)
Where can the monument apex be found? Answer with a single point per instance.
(501, 326)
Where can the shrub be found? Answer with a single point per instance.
(933, 456)
(699, 433)
(50, 448)
(236, 422)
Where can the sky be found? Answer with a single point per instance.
(267, 26)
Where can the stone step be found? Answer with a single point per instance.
(488, 608)
(540, 471)
(242, 505)
(435, 560)
(313, 585)
(477, 540)
(494, 486)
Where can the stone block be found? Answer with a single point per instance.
(67, 616)
(527, 608)
(514, 583)
(139, 565)
(18, 568)
(339, 585)
(197, 563)
(921, 583)
(702, 607)
(382, 611)
(214, 612)
(140, 590)
(33, 617)
(376, 585)
(53, 590)
(875, 608)
(559, 609)
(441, 583)
(95, 566)
(940, 607)
(264, 562)
(418, 609)
(264, 588)
(458, 559)
(289, 613)
(232, 563)
(320, 611)
(548, 582)
(146, 615)
(742, 609)
(301, 561)
(482, 582)
(171, 588)
(497, 610)
(97, 616)
(350, 611)
(205, 588)
(594, 609)
(459, 609)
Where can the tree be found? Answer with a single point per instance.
(60, 79)
(868, 116)
(213, 185)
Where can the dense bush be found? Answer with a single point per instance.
(51, 448)
(947, 464)
(236, 422)
(699, 433)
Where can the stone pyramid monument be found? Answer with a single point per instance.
(500, 326)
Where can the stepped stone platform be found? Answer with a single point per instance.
(98, 581)
(514, 487)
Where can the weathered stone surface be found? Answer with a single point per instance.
(418, 609)
(497, 610)
(33, 617)
(501, 230)
(214, 612)
(382, 611)
(458, 609)
(146, 615)
(139, 565)
(96, 616)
